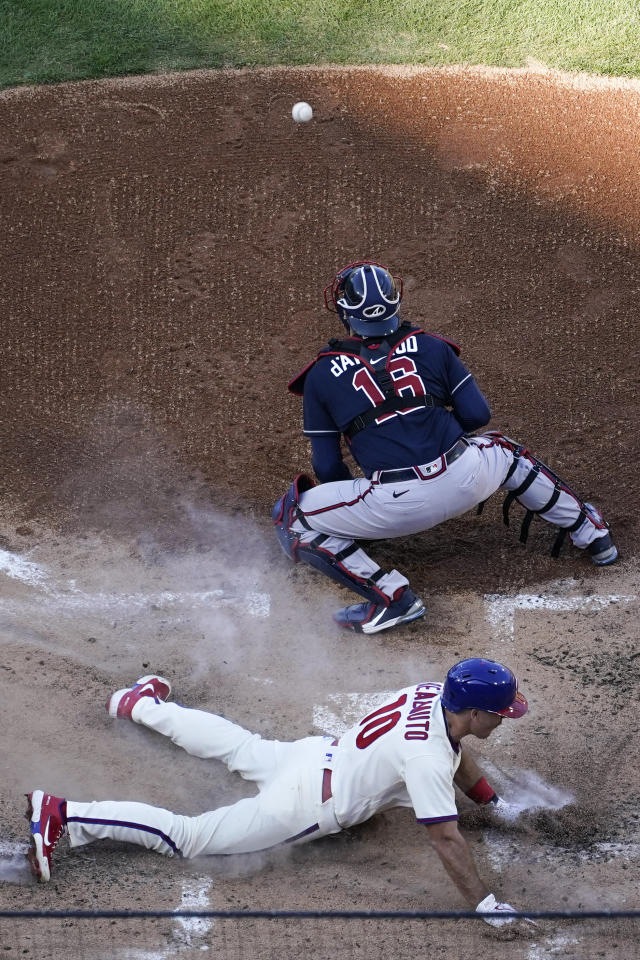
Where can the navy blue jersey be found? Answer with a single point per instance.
(339, 386)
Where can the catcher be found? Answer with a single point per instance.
(405, 404)
(405, 753)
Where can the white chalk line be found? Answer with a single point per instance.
(14, 867)
(189, 933)
(195, 896)
(553, 946)
(255, 604)
(345, 709)
(19, 569)
(500, 608)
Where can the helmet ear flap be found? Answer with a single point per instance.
(334, 290)
(332, 293)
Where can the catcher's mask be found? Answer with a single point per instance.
(366, 298)
(483, 685)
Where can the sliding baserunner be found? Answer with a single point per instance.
(407, 753)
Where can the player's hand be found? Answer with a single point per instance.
(496, 914)
(504, 810)
(495, 911)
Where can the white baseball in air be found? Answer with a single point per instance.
(301, 112)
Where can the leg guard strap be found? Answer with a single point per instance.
(344, 554)
(331, 565)
(553, 499)
(514, 494)
(561, 506)
(524, 526)
(347, 552)
(557, 544)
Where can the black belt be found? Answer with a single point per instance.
(326, 785)
(326, 780)
(416, 473)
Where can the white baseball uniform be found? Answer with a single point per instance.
(425, 496)
(400, 754)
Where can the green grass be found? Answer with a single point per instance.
(45, 41)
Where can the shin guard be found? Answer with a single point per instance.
(332, 565)
(540, 491)
(285, 512)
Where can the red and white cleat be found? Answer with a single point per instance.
(122, 702)
(47, 822)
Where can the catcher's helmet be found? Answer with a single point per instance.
(366, 298)
(483, 685)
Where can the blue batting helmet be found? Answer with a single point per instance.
(366, 298)
(483, 685)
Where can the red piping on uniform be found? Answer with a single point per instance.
(454, 346)
(412, 333)
(297, 377)
(337, 506)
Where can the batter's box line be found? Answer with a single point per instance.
(500, 608)
(253, 604)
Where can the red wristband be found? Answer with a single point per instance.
(481, 792)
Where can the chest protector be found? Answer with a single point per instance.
(371, 356)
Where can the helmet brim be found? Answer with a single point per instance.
(517, 709)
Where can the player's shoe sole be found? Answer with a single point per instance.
(46, 826)
(122, 702)
(604, 557)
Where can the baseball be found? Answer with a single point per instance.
(301, 112)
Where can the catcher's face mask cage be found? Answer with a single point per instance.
(366, 297)
(477, 684)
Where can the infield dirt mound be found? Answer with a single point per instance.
(168, 239)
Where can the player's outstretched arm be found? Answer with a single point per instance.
(457, 860)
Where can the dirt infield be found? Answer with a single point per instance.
(164, 248)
